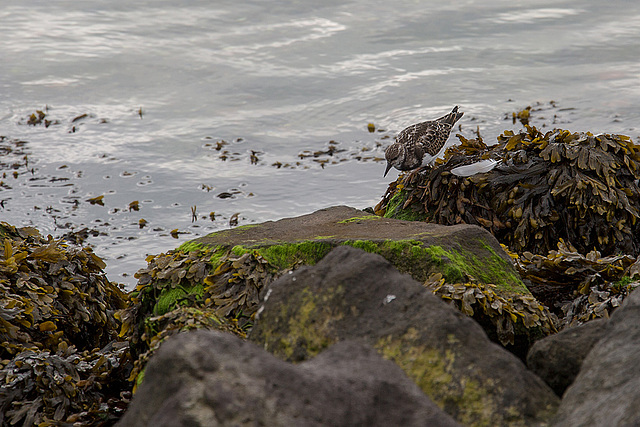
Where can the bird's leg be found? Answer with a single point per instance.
(413, 173)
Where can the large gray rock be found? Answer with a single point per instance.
(606, 392)
(351, 294)
(557, 359)
(209, 378)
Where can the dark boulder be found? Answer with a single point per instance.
(557, 359)
(605, 392)
(213, 378)
(351, 294)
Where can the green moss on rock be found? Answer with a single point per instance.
(409, 256)
(359, 219)
(246, 226)
(191, 246)
(285, 256)
(365, 245)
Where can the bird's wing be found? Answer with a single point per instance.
(413, 132)
(429, 138)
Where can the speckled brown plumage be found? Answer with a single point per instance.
(418, 144)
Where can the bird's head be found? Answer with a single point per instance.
(395, 156)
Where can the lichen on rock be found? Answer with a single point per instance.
(351, 294)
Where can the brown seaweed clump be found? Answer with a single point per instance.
(226, 282)
(54, 297)
(579, 187)
(507, 313)
(60, 359)
(515, 321)
(183, 318)
(579, 287)
(84, 388)
(177, 291)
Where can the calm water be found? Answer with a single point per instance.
(273, 79)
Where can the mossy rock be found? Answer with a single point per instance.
(419, 249)
(227, 270)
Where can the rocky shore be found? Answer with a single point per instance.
(347, 317)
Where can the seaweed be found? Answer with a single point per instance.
(210, 288)
(580, 187)
(225, 282)
(52, 293)
(508, 314)
(184, 318)
(578, 287)
(61, 359)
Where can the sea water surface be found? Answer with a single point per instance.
(197, 107)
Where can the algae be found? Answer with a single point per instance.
(218, 254)
(171, 298)
(365, 245)
(409, 256)
(395, 208)
(245, 227)
(285, 256)
(359, 219)
(191, 246)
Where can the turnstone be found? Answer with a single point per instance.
(418, 144)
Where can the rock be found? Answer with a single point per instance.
(557, 358)
(226, 270)
(212, 378)
(417, 248)
(605, 392)
(351, 294)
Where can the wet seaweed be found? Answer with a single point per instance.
(331, 154)
(45, 388)
(184, 318)
(225, 283)
(61, 357)
(578, 287)
(576, 186)
(53, 293)
(510, 315)
(179, 291)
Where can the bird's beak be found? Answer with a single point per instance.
(386, 171)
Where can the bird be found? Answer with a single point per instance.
(417, 145)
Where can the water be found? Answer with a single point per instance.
(161, 82)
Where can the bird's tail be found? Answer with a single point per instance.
(452, 117)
